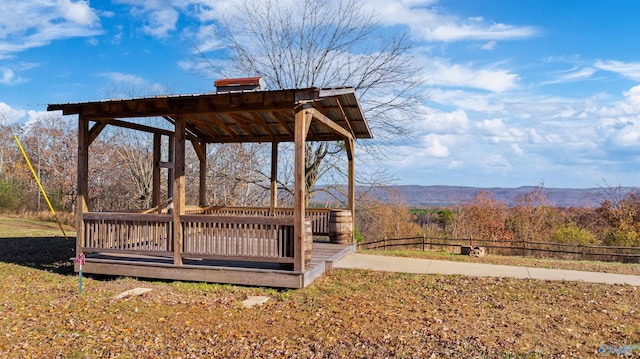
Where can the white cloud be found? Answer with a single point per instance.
(517, 149)
(574, 74)
(8, 77)
(489, 45)
(630, 137)
(534, 137)
(78, 12)
(633, 96)
(495, 127)
(161, 22)
(161, 17)
(29, 24)
(443, 73)
(9, 115)
(434, 148)
(445, 122)
(467, 100)
(495, 162)
(449, 32)
(128, 85)
(207, 39)
(425, 19)
(125, 78)
(428, 22)
(628, 70)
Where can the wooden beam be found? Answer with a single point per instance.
(283, 122)
(82, 181)
(198, 149)
(165, 164)
(274, 178)
(95, 131)
(210, 119)
(299, 193)
(345, 118)
(192, 131)
(178, 188)
(134, 126)
(255, 119)
(334, 127)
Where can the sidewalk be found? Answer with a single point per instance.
(431, 266)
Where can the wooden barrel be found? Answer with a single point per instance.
(340, 226)
(308, 242)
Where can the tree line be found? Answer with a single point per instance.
(615, 222)
(120, 169)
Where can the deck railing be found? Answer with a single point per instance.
(147, 234)
(244, 238)
(247, 238)
(320, 217)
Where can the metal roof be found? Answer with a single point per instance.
(237, 116)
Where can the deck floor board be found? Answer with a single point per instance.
(323, 255)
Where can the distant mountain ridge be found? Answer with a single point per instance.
(441, 196)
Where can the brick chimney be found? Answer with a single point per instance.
(239, 84)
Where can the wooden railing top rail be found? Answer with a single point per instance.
(282, 221)
(277, 209)
(124, 216)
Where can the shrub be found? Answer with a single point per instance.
(9, 194)
(572, 234)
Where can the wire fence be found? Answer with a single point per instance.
(510, 248)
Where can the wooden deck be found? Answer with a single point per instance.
(218, 271)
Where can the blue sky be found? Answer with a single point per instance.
(520, 92)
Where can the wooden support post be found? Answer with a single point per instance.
(299, 192)
(170, 173)
(155, 191)
(352, 183)
(274, 177)
(82, 181)
(178, 188)
(202, 155)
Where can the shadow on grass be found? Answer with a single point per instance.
(53, 254)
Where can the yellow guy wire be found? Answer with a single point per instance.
(40, 185)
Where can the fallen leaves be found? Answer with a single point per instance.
(344, 314)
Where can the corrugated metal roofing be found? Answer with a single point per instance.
(238, 116)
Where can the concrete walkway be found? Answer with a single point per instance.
(431, 266)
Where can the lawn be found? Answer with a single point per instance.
(13, 226)
(348, 313)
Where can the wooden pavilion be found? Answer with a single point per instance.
(250, 246)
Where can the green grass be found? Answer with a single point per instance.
(15, 227)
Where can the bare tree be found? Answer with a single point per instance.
(135, 153)
(322, 43)
(50, 142)
(483, 217)
(533, 218)
(234, 171)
